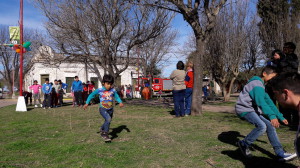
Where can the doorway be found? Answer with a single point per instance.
(43, 78)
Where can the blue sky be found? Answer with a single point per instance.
(9, 14)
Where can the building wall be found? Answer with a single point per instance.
(64, 70)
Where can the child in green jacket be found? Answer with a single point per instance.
(255, 105)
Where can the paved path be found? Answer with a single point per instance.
(7, 102)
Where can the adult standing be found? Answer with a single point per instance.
(179, 87)
(189, 83)
(77, 90)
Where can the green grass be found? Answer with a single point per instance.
(142, 137)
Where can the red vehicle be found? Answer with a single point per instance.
(159, 85)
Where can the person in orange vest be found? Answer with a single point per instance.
(189, 82)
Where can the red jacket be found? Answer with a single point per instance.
(189, 79)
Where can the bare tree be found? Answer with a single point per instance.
(156, 52)
(9, 59)
(102, 32)
(254, 52)
(279, 23)
(201, 16)
(227, 46)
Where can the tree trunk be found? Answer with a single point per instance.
(227, 95)
(196, 108)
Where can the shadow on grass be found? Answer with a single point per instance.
(172, 112)
(30, 108)
(115, 131)
(232, 137)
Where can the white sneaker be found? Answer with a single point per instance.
(35, 105)
(41, 105)
(287, 156)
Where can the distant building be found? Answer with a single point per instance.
(48, 64)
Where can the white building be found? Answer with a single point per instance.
(66, 71)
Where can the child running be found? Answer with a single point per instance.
(106, 94)
(254, 104)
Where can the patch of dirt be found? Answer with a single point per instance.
(167, 102)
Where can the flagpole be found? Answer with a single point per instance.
(21, 105)
(21, 47)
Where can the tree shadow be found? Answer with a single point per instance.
(232, 137)
(115, 131)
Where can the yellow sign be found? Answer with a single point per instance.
(14, 34)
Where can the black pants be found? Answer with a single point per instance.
(60, 98)
(47, 100)
(78, 98)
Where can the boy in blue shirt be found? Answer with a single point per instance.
(106, 95)
(254, 104)
(77, 89)
(47, 88)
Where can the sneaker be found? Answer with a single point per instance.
(244, 149)
(44, 108)
(41, 105)
(105, 136)
(286, 156)
(35, 105)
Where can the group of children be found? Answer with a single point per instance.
(255, 105)
(53, 93)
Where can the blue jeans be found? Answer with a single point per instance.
(178, 98)
(188, 100)
(262, 125)
(107, 114)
